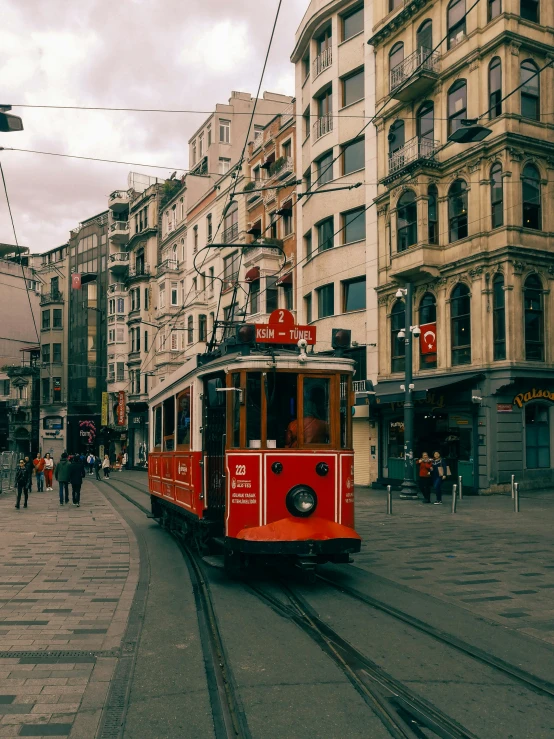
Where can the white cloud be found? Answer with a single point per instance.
(216, 48)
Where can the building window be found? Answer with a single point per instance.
(201, 145)
(433, 214)
(497, 196)
(308, 244)
(352, 24)
(120, 370)
(174, 294)
(209, 227)
(456, 22)
(326, 301)
(325, 168)
(457, 105)
(190, 329)
(534, 319)
(209, 134)
(57, 318)
(111, 335)
(271, 294)
(353, 224)
(460, 310)
(287, 218)
(121, 305)
(120, 335)
(195, 239)
(162, 296)
(57, 353)
(5, 386)
(396, 57)
(325, 111)
(424, 39)
(457, 211)
(57, 389)
(529, 9)
(193, 153)
(427, 323)
(530, 92)
(396, 141)
(45, 353)
(537, 436)
(531, 197)
(494, 8)
(45, 319)
(325, 235)
(426, 122)
(308, 307)
(230, 269)
(174, 342)
(499, 318)
(224, 165)
(231, 223)
(353, 156)
(288, 295)
(353, 88)
(45, 389)
(202, 328)
(354, 294)
(495, 88)
(406, 220)
(224, 131)
(398, 346)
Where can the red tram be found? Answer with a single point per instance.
(252, 450)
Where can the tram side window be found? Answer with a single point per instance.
(158, 427)
(316, 410)
(281, 398)
(345, 413)
(169, 424)
(254, 410)
(235, 418)
(183, 418)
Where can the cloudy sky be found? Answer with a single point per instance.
(120, 53)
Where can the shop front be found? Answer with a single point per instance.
(138, 437)
(83, 434)
(52, 436)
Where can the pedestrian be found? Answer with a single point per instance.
(90, 463)
(76, 474)
(438, 474)
(425, 467)
(106, 467)
(38, 464)
(97, 466)
(62, 476)
(21, 483)
(124, 461)
(30, 468)
(48, 470)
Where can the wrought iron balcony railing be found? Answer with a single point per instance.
(412, 151)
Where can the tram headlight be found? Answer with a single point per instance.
(301, 501)
(322, 469)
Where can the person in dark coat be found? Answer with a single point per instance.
(61, 474)
(76, 474)
(21, 483)
(97, 466)
(29, 467)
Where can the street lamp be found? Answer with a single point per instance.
(9, 122)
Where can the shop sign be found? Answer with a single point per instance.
(458, 419)
(504, 407)
(87, 430)
(104, 417)
(428, 338)
(121, 408)
(52, 422)
(281, 329)
(535, 394)
(136, 420)
(432, 399)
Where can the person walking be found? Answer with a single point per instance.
(29, 467)
(48, 470)
(21, 483)
(124, 461)
(90, 463)
(38, 464)
(76, 474)
(97, 466)
(106, 467)
(62, 476)
(425, 468)
(438, 474)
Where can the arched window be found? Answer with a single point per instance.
(424, 39)
(396, 57)
(497, 196)
(460, 312)
(457, 105)
(495, 88)
(433, 214)
(398, 346)
(456, 21)
(534, 318)
(531, 197)
(494, 8)
(428, 337)
(529, 9)
(406, 219)
(530, 92)
(498, 318)
(537, 436)
(426, 122)
(457, 211)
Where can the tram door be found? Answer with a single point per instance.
(214, 443)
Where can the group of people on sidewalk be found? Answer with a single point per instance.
(432, 472)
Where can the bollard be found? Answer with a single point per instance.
(513, 483)
(454, 495)
(516, 497)
(460, 489)
(389, 500)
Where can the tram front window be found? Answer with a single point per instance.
(281, 394)
(316, 409)
(254, 410)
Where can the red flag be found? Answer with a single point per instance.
(76, 281)
(428, 338)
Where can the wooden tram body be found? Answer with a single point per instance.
(252, 454)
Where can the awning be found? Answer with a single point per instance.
(285, 279)
(252, 274)
(390, 392)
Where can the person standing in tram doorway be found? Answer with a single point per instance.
(425, 480)
(438, 474)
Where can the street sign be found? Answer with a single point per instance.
(281, 329)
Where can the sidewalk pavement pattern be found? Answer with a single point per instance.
(67, 580)
(484, 558)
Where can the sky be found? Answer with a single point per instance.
(120, 53)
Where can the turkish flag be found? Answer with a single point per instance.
(428, 338)
(76, 281)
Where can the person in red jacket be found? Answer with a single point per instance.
(425, 467)
(39, 463)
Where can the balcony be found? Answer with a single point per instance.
(411, 154)
(262, 250)
(55, 296)
(231, 233)
(281, 168)
(269, 195)
(413, 77)
(322, 62)
(138, 272)
(168, 310)
(119, 232)
(168, 265)
(117, 288)
(417, 260)
(15, 403)
(118, 262)
(118, 201)
(323, 125)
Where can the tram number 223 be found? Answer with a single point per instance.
(240, 470)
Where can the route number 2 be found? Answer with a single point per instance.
(240, 470)
(281, 316)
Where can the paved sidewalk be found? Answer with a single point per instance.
(67, 580)
(485, 558)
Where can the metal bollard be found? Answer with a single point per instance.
(454, 496)
(460, 489)
(516, 497)
(389, 501)
(513, 483)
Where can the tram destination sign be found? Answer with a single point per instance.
(281, 329)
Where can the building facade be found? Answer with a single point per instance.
(337, 234)
(468, 228)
